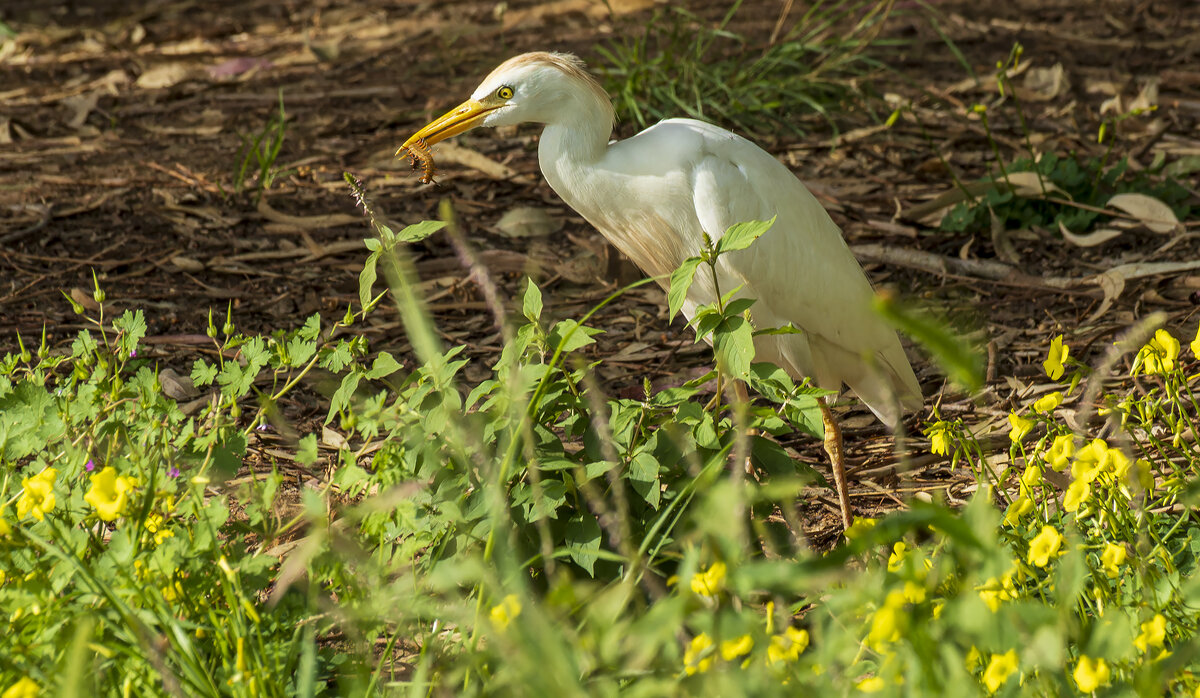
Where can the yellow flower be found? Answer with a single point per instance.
(504, 612)
(859, 527)
(1032, 476)
(5, 528)
(999, 668)
(37, 495)
(1090, 674)
(1154, 633)
(871, 685)
(25, 688)
(887, 622)
(1020, 427)
(787, 646)
(939, 438)
(1091, 459)
(1045, 546)
(172, 592)
(1061, 450)
(974, 659)
(1195, 345)
(1048, 402)
(1145, 474)
(1020, 507)
(896, 559)
(1077, 493)
(109, 493)
(155, 525)
(913, 592)
(698, 658)
(1057, 358)
(995, 591)
(732, 649)
(1159, 354)
(711, 581)
(1112, 558)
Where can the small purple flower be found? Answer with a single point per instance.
(173, 472)
(89, 466)
(133, 354)
(263, 427)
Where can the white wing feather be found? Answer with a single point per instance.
(682, 178)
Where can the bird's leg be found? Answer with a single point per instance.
(833, 447)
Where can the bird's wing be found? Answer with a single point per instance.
(801, 271)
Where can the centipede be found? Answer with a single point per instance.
(422, 159)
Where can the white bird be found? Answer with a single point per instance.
(656, 194)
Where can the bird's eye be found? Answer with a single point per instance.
(505, 92)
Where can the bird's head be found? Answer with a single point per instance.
(533, 87)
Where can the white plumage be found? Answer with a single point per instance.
(654, 196)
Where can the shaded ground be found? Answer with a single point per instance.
(120, 130)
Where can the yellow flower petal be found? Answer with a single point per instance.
(1045, 546)
(1048, 402)
(23, 688)
(1054, 363)
(1090, 674)
(504, 612)
(1020, 427)
(1112, 558)
(698, 658)
(999, 668)
(37, 495)
(1154, 633)
(710, 582)
(108, 494)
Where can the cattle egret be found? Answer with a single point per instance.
(655, 195)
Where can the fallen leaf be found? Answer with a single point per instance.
(449, 152)
(1096, 237)
(81, 106)
(175, 386)
(1044, 84)
(187, 263)
(1150, 212)
(528, 221)
(162, 76)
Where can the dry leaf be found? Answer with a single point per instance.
(449, 152)
(1030, 185)
(164, 76)
(1150, 212)
(176, 386)
(1096, 237)
(528, 221)
(1044, 84)
(187, 263)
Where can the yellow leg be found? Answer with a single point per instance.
(833, 447)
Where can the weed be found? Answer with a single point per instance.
(682, 66)
(531, 536)
(258, 154)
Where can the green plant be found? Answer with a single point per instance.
(1079, 190)
(530, 536)
(682, 66)
(258, 154)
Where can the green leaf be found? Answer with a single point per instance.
(532, 305)
(132, 326)
(366, 279)
(733, 341)
(384, 365)
(582, 540)
(306, 453)
(341, 397)
(203, 373)
(420, 231)
(312, 327)
(681, 281)
(739, 236)
(737, 306)
(570, 335)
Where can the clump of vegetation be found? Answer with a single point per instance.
(1076, 192)
(530, 535)
(258, 153)
(682, 66)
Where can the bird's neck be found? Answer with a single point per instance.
(570, 151)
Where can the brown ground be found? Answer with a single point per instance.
(120, 126)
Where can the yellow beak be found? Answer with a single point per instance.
(464, 117)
